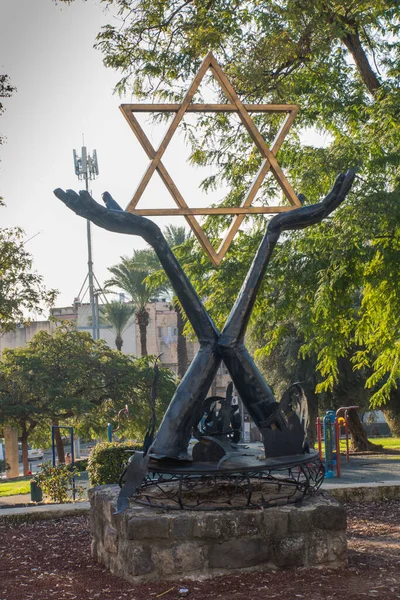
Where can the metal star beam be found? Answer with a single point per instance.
(268, 155)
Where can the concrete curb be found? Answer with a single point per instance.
(39, 513)
(364, 492)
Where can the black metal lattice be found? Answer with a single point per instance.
(273, 486)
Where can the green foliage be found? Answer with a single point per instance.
(117, 314)
(21, 289)
(4, 466)
(57, 482)
(6, 90)
(130, 275)
(106, 461)
(80, 465)
(78, 381)
(336, 285)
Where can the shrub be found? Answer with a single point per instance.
(4, 466)
(80, 465)
(106, 461)
(57, 482)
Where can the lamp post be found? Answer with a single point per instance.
(86, 168)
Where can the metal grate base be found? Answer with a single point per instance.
(190, 487)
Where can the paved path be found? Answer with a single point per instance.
(367, 469)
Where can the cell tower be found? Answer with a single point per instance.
(86, 168)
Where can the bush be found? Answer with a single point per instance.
(106, 461)
(80, 465)
(57, 482)
(4, 466)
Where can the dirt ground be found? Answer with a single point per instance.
(51, 560)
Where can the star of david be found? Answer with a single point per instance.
(268, 157)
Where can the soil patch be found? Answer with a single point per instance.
(46, 560)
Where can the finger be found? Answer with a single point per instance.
(335, 189)
(347, 182)
(60, 194)
(89, 203)
(110, 202)
(70, 198)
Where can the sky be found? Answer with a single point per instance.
(64, 91)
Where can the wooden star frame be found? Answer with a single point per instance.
(268, 155)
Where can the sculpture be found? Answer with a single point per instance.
(282, 424)
(185, 410)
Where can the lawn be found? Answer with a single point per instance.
(12, 488)
(388, 443)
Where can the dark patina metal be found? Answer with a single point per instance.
(243, 481)
(282, 424)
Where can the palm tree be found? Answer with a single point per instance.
(117, 314)
(129, 275)
(176, 236)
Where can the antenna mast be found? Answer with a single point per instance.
(86, 168)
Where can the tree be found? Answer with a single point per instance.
(340, 62)
(21, 289)
(117, 314)
(69, 378)
(6, 90)
(129, 275)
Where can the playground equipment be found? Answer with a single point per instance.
(330, 428)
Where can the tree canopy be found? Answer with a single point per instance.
(336, 283)
(69, 378)
(21, 288)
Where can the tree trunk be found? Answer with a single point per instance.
(359, 437)
(183, 360)
(24, 444)
(391, 411)
(353, 44)
(142, 319)
(119, 342)
(59, 443)
(312, 403)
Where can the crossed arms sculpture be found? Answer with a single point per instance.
(186, 407)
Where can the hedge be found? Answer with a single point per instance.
(80, 465)
(106, 461)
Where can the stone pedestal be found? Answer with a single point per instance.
(144, 544)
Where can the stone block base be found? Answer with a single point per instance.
(144, 544)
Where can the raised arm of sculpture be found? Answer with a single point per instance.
(186, 406)
(114, 218)
(247, 379)
(298, 218)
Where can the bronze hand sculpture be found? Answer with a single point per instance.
(185, 409)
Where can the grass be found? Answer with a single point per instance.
(392, 443)
(388, 443)
(13, 488)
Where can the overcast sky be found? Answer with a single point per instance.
(63, 91)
